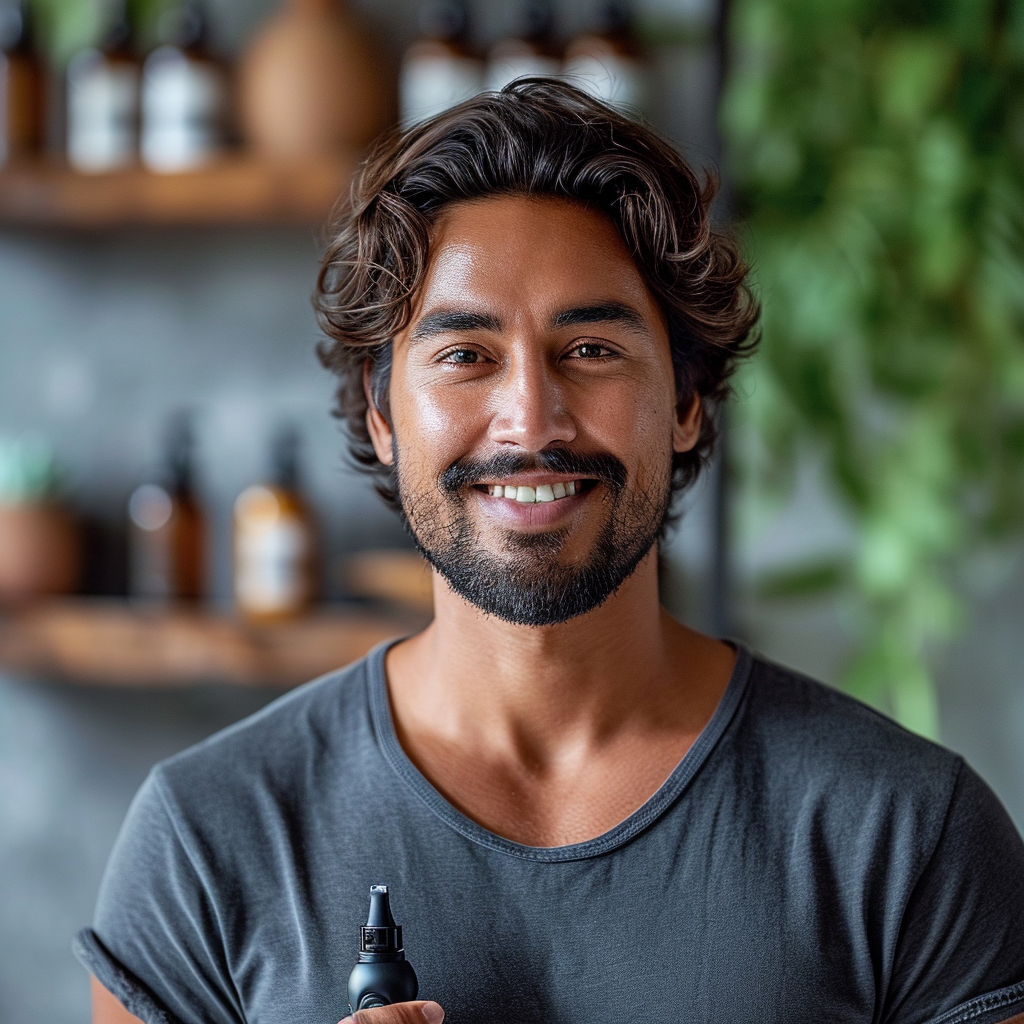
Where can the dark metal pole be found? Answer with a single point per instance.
(721, 592)
(721, 618)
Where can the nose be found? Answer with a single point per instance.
(529, 401)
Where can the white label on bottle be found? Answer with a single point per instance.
(102, 113)
(502, 70)
(183, 104)
(270, 574)
(430, 85)
(620, 81)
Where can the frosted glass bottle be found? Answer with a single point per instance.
(184, 96)
(103, 103)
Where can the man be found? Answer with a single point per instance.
(585, 810)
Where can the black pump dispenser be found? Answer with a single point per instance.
(382, 975)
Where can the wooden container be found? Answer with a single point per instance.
(309, 84)
(39, 551)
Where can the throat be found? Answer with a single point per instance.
(558, 806)
(553, 735)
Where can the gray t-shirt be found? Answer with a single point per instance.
(806, 861)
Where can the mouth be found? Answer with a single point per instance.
(537, 493)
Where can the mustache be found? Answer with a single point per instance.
(599, 466)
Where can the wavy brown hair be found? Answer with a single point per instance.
(537, 137)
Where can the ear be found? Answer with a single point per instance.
(378, 427)
(686, 430)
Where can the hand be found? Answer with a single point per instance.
(418, 1012)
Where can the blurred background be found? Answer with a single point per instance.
(181, 537)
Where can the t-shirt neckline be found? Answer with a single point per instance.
(645, 815)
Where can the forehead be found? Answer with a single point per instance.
(520, 253)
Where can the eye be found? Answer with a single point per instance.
(590, 350)
(462, 356)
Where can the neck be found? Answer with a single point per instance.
(535, 691)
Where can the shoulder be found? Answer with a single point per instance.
(813, 731)
(315, 732)
(225, 826)
(897, 823)
(836, 783)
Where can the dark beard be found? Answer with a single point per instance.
(530, 587)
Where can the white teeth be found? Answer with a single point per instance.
(541, 494)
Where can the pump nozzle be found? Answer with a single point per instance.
(380, 934)
(382, 974)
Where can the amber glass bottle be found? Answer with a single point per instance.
(275, 548)
(21, 86)
(168, 527)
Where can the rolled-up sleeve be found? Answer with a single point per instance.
(960, 954)
(156, 940)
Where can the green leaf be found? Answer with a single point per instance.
(813, 579)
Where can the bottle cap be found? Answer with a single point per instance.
(443, 19)
(532, 20)
(380, 935)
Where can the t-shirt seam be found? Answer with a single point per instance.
(119, 980)
(982, 1004)
(925, 864)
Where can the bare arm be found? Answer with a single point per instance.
(106, 1009)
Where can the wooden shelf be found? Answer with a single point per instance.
(115, 643)
(237, 190)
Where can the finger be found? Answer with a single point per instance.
(418, 1012)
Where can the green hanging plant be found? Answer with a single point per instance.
(878, 154)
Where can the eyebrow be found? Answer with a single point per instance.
(444, 321)
(600, 313)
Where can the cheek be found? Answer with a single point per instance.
(433, 427)
(634, 423)
(654, 467)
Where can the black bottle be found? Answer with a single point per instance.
(383, 975)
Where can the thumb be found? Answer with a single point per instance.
(418, 1012)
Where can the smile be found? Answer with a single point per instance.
(541, 494)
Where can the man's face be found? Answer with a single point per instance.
(533, 410)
